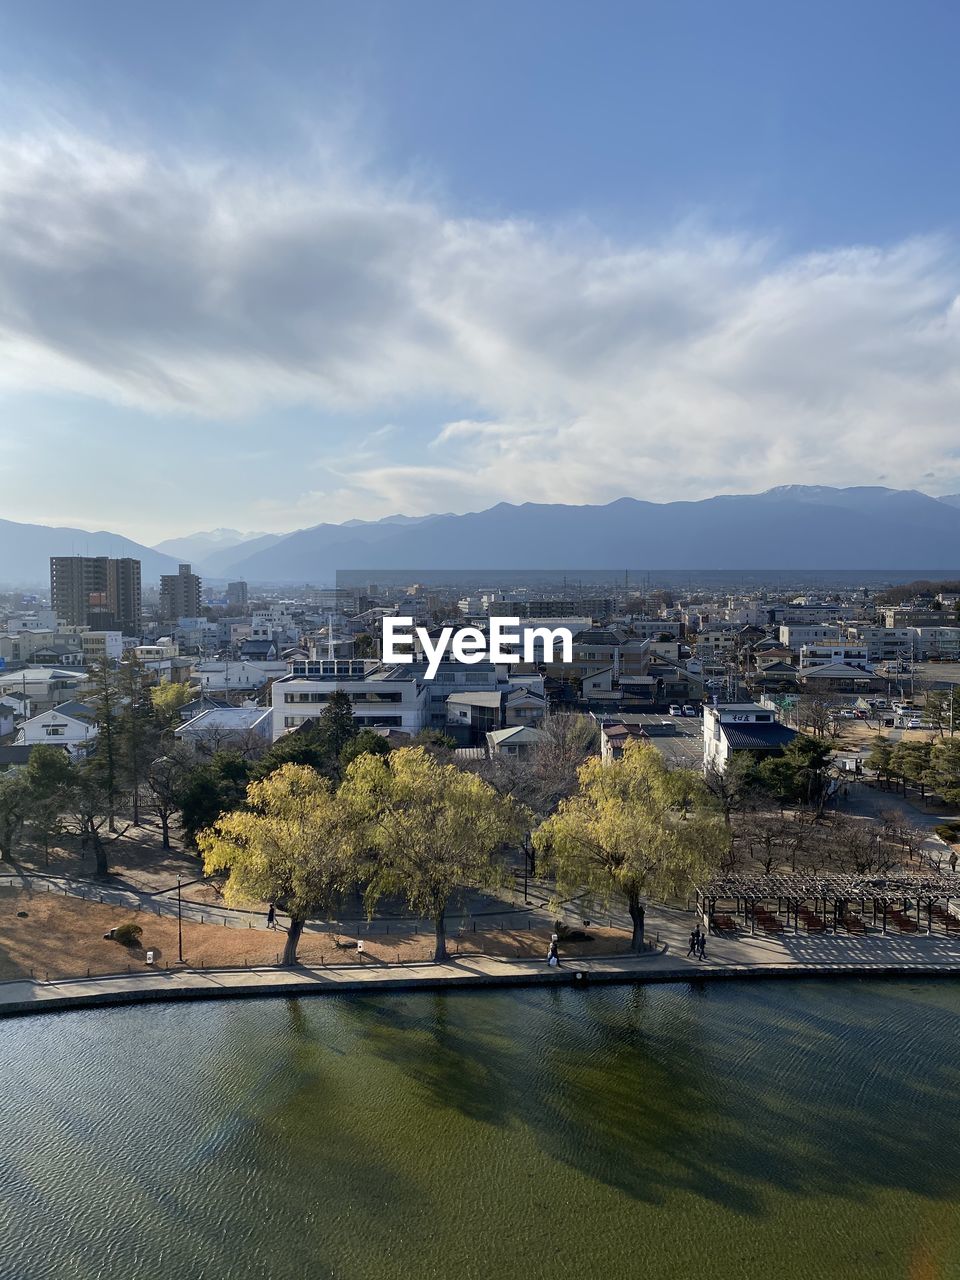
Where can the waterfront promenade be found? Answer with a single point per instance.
(786, 955)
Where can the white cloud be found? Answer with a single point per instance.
(679, 368)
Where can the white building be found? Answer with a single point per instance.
(71, 725)
(244, 676)
(392, 697)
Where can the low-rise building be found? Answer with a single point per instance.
(741, 726)
(72, 726)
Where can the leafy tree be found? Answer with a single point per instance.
(911, 762)
(167, 699)
(49, 777)
(633, 827)
(216, 787)
(366, 742)
(800, 775)
(336, 725)
(317, 744)
(880, 758)
(435, 739)
(944, 770)
(431, 829)
(364, 646)
(291, 844)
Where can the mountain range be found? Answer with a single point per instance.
(790, 527)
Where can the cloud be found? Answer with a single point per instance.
(581, 368)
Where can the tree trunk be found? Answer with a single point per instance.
(164, 831)
(293, 940)
(637, 915)
(100, 854)
(440, 951)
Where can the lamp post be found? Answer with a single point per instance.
(179, 923)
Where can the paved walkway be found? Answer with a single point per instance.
(783, 956)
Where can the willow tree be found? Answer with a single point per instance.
(634, 827)
(429, 829)
(291, 846)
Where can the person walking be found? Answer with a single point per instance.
(702, 947)
(694, 942)
(553, 955)
(271, 916)
(953, 860)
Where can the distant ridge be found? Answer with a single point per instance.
(790, 527)
(25, 551)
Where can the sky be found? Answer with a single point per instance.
(268, 265)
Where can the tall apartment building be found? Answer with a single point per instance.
(237, 594)
(97, 592)
(179, 594)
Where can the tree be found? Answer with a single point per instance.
(943, 775)
(291, 845)
(633, 827)
(542, 779)
(167, 700)
(137, 730)
(92, 805)
(366, 742)
(14, 805)
(364, 646)
(317, 744)
(336, 725)
(49, 777)
(430, 829)
(736, 787)
(214, 788)
(911, 762)
(800, 775)
(106, 761)
(166, 778)
(880, 759)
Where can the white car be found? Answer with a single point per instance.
(674, 709)
(689, 710)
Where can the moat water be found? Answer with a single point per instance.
(780, 1129)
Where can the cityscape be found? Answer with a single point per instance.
(479, 641)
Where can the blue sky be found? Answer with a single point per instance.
(268, 265)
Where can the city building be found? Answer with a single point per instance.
(382, 696)
(98, 592)
(179, 594)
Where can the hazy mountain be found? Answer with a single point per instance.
(195, 547)
(953, 499)
(792, 527)
(219, 563)
(25, 551)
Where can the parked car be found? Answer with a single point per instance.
(674, 709)
(689, 710)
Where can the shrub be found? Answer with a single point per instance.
(128, 935)
(949, 831)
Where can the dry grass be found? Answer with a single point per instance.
(63, 937)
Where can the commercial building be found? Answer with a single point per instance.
(237, 594)
(97, 592)
(741, 726)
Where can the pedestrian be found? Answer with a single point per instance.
(953, 860)
(553, 956)
(702, 947)
(694, 942)
(271, 916)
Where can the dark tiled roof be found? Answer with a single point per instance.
(757, 737)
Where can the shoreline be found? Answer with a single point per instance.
(25, 997)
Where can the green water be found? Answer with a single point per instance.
(766, 1129)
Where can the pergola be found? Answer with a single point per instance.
(817, 902)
